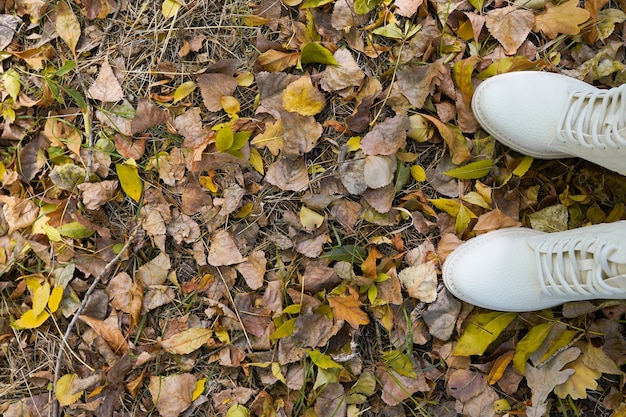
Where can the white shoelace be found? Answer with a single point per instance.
(573, 267)
(595, 119)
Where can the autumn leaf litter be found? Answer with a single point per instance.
(242, 209)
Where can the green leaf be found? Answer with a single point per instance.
(314, 3)
(323, 361)
(314, 53)
(399, 362)
(78, 97)
(65, 68)
(74, 230)
(347, 253)
(481, 332)
(365, 6)
(285, 329)
(390, 30)
(529, 344)
(240, 140)
(129, 179)
(224, 139)
(471, 171)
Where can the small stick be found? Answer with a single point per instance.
(96, 281)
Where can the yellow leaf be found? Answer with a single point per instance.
(274, 60)
(354, 143)
(579, 382)
(418, 173)
(523, 166)
(170, 8)
(40, 298)
(224, 139)
(563, 18)
(13, 85)
(237, 410)
(63, 390)
(31, 321)
(52, 233)
(67, 26)
(245, 79)
(199, 389)
(230, 104)
(272, 138)
(473, 170)
(55, 299)
(499, 366)
(208, 183)
(481, 332)
(256, 160)
(452, 135)
(399, 362)
(129, 179)
(302, 97)
(529, 344)
(187, 341)
(278, 373)
(348, 308)
(285, 329)
(559, 343)
(184, 90)
(310, 219)
(323, 361)
(75, 230)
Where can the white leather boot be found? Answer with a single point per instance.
(521, 269)
(551, 116)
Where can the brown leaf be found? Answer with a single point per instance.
(95, 194)
(223, 400)
(564, 18)
(112, 335)
(331, 402)
(480, 405)
(510, 26)
(346, 74)
(464, 384)
(18, 213)
(183, 229)
(347, 213)
(224, 250)
(253, 269)
(381, 199)
(288, 175)
(441, 316)
(189, 125)
(157, 296)
(98, 9)
(213, 87)
(187, 341)
(317, 277)
(172, 394)
(348, 308)
(396, 387)
(352, 175)
(276, 61)
(300, 134)
(417, 82)
(194, 198)
(118, 290)
(271, 87)
(106, 88)
(67, 26)
(148, 115)
(493, 220)
(154, 272)
(128, 148)
(312, 330)
(387, 137)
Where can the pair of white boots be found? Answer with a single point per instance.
(546, 116)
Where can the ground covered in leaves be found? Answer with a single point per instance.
(242, 208)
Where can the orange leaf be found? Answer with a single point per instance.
(274, 61)
(348, 308)
(463, 77)
(563, 18)
(112, 335)
(499, 366)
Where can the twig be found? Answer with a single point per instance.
(68, 331)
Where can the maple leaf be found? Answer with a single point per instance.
(510, 26)
(579, 382)
(348, 308)
(563, 18)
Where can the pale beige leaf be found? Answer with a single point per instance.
(378, 170)
(95, 194)
(253, 269)
(118, 290)
(67, 26)
(106, 88)
(172, 394)
(510, 26)
(154, 272)
(346, 74)
(224, 250)
(420, 281)
(18, 213)
(157, 296)
(493, 220)
(189, 125)
(407, 8)
(187, 341)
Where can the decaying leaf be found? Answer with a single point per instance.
(172, 394)
(510, 26)
(106, 88)
(387, 137)
(253, 269)
(223, 250)
(94, 195)
(348, 308)
(288, 175)
(564, 18)
(67, 26)
(213, 87)
(420, 281)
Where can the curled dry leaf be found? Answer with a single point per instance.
(187, 341)
(224, 250)
(112, 335)
(253, 269)
(18, 213)
(95, 194)
(420, 281)
(172, 394)
(106, 88)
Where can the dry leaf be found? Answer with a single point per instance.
(331, 402)
(154, 272)
(254, 316)
(381, 199)
(416, 82)
(224, 250)
(275, 61)
(189, 125)
(213, 87)
(119, 291)
(387, 137)
(352, 175)
(396, 387)
(312, 330)
(106, 88)
(346, 74)
(288, 175)
(442, 315)
(172, 394)
(300, 134)
(564, 18)
(493, 220)
(510, 26)
(302, 97)
(317, 277)
(187, 341)
(18, 213)
(271, 138)
(407, 8)
(96, 194)
(582, 379)
(67, 26)
(253, 269)
(112, 335)
(148, 115)
(378, 170)
(348, 308)
(420, 281)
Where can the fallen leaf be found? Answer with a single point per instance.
(550, 219)
(172, 394)
(213, 87)
(131, 183)
(346, 74)
(387, 137)
(253, 269)
(348, 308)
(154, 272)
(481, 332)
(187, 341)
(189, 125)
(330, 402)
(19, 213)
(288, 175)
(302, 97)
(106, 88)
(441, 316)
(378, 170)
(112, 335)
(223, 250)
(312, 330)
(148, 115)
(493, 220)
(464, 384)
(300, 134)
(396, 387)
(271, 138)
(96, 194)
(510, 26)
(64, 392)
(416, 82)
(407, 8)
(564, 18)
(67, 26)
(9, 23)
(420, 281)
(275, 61)
(582, 379)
